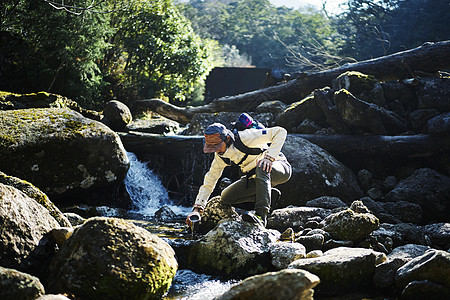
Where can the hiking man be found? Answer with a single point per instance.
(264, 166)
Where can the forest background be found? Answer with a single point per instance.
(92, 51)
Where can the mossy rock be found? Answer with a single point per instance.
(110, 258)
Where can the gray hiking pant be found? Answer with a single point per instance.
(257, 188)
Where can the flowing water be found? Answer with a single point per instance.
(148, 195)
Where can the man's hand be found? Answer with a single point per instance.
(266, 164)
(194, 216)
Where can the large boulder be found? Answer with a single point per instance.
(295, 217)
(233, 248)
(428, 188)
(281, 285)
(350, 225)
(433, 266)
(36, 194)
(364, 117)
(59, 150)
(24, 244)
(15, 285)
(434, 93)
(315, 173)
(108, 258)
(342, 269)
(116, 115)
(439, 125)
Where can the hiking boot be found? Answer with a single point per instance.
(275, 196)
(253, 218)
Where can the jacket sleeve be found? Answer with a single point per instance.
(210, 180)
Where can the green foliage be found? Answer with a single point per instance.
(156, 51)
(380, 27)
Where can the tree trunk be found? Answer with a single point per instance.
(428, 58)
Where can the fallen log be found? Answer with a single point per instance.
(428, 58)
(410, 146)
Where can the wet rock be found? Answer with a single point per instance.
(294, 217)
(350, 225)
(384, 276)
(342, 269)
(24, 227)
(326, 202)
(165, 214)
(18, 285)
(427, 188)
(36, 194)
(283, 253)
(306, 127)
(116, 115)
(39, 143)
(214, 212)
(74, 218)
(108, 258)
(233, 248)
(331, 244)
(315, 173)
(364, 117)
(418, 118)
(433, 266)
(281, 285)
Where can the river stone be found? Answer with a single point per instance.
(384, 276)
(281, 285)
(294, 217)
(315, 173)
(427, 188)
(24, 244)
(109, 258)
(425, 289)
(283, 253)
(214, 212)
(342, 269)
(326, 202)
(439, 234)
(350, 225)
(36, 194)
(16, 285)
(434, 93)
(37, 144)
(116, 115)
(439, 125)
(233, 248)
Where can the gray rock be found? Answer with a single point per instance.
(433, 266)
(274, 107)
(19, 285)
(425, 289)
(294, 217)
(349, 225)
(311, 242)
(418, 118)
(115, 259)
(439, 234)
(116, 115)
(25, 223)
(233, 248)
(281, 285)
(306, 127)
(315, 173)
(434, 93)
(214, 212)
(39, 143)
(283, 253)
(401, 234)
(74, 218)
(342, 269)
(326, 202)
(36, 194)
(428, 188)
(365, 178)
(384, 276)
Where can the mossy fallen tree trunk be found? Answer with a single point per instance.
(338, 145)
(428, 58)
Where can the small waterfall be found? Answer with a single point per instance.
(146, 190)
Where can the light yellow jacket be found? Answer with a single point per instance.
(253, 138)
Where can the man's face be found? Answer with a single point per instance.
(222, 150)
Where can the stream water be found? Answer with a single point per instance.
(148, 195)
